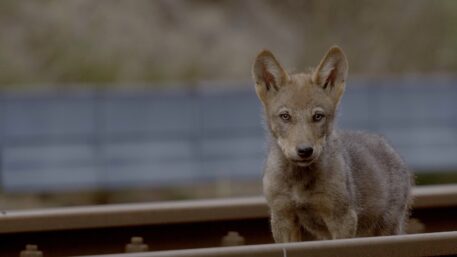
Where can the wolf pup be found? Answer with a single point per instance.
(319, 180)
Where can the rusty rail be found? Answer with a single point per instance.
(433, 244)
(201, 224)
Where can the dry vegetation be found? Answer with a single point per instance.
(50, 42)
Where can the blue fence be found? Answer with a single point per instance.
(102, 139)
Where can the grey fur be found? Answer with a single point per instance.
(355, 184)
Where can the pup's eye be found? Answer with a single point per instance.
(318, 116)
(285, 116)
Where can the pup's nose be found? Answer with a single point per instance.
(304, 151)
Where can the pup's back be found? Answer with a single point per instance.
(382, 182)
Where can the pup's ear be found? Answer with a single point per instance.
(268, 74)
(331, 73)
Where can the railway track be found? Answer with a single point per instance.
(197, 228)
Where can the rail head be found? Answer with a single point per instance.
(435, 196)
(117, 215)
(431, 244)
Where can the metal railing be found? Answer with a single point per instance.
(102, 139)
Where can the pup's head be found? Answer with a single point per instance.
(300, 108)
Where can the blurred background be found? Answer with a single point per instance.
(128, 101)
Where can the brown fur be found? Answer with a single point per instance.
(353, 183)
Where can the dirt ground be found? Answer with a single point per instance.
(219, 189)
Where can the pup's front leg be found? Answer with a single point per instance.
(285, 227)
(342, 224)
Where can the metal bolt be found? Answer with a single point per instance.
(136, 245)
(31, 251)
(232, 238)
